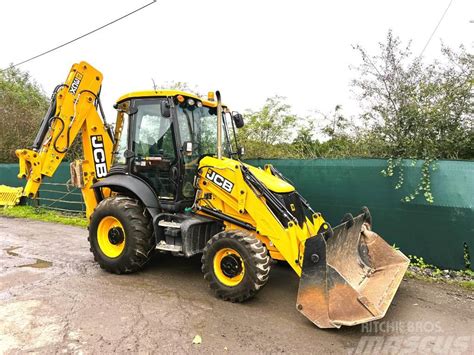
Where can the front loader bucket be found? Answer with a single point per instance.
(10, 196)
(351, 277)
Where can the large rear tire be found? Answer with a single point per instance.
(121, 235)
(236, 265)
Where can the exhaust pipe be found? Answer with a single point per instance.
(219, 125)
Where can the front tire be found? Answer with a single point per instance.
(121, 235)
(236, 265)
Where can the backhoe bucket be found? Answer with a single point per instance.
(351, 277)
(10, 196)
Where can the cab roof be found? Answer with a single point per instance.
(165, 93)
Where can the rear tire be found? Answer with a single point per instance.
(121, 235)
(236, 265)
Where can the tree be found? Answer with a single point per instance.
(268, 130)
(337, 124)
(338, 137)
(22, 105)
(418, 110)
(179, 85)
(305, 146)
(272, 123)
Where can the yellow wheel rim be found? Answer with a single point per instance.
(111, 237)
(229, 267)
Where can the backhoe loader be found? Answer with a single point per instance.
(168, 176)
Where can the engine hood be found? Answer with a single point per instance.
(272, 182)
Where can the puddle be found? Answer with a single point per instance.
(11, 252)
(39, 264)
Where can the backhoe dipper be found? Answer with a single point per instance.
(169, 177)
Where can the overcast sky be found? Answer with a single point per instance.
(249, 50)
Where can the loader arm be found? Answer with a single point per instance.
(73, 111)
(348, 274)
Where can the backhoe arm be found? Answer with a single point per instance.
(73, 110)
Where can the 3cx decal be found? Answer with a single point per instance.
(75, 83)
(98, 153)
(219, 180)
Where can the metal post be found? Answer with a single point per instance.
(219, 125)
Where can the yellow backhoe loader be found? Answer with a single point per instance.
(169, 177)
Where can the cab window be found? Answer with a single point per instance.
(153, 136)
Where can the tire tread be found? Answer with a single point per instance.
(142, 234)
(257, 267)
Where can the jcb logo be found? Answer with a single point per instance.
(99, 156)
(75, 83)
(219, 180)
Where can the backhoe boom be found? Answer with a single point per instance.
(73, 111)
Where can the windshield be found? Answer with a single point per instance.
(199, 126)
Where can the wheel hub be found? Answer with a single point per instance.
(116, 235)
(231, 265)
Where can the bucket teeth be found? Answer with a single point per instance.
(354, 277)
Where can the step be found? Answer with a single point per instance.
(169, 224)
(169, 247)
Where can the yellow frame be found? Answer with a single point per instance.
(244, 204)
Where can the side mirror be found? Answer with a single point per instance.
(238, 119)
(187, 148)
(240, 151)
(165, 109)
(128, 154)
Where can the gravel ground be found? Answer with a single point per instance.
(55, 299)
(440, 275)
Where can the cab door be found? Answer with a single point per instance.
(153, 142)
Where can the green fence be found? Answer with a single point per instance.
(437, 231)
(434, 231)
(55, 193)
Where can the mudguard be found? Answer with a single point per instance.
(133, 184)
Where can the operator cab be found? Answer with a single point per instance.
(161, 136)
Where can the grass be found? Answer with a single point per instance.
(436, 274)
(469, 284)
(41, 214)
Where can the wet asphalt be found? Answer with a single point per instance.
(55, 299)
